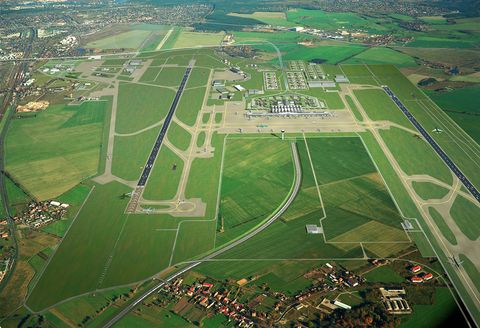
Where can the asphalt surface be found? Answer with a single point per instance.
(190, 266)
(454, 168)
(156, 147)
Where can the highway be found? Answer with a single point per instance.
(158, 143)
(454, 168)
(235, 243)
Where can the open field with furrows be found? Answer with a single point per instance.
(165, 176)
(127, 40)
(50, 153)
(257, 176)
(130, 153)
(188, 39)
(140, 106)
(415, 155)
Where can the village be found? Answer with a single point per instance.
(249, 302)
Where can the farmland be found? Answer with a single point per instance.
(219, 175)
(40, 163)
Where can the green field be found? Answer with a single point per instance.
(466, 214)
(42, 164)
(190, 104)
(415, 156)
(384, 274)
(247, 182)
(126, 40)
(379, 107)
(442, 225)
(188, 39)
(428, 190)
(164, 179)
(434, 315)
(130, 153)
(140, 106)
(178, 136)
(382, 55)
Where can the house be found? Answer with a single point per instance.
(416, 280)
(416, 268)
(428, 276)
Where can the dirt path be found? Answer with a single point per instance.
(165, 38)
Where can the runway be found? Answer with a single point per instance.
(454, 168)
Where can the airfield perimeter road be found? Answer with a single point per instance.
(260, 228)
(471, 188)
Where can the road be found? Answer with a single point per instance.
(470, 187)
(257, 230)
(156, 147)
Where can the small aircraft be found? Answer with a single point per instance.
(455, 260)
(148, 210)
(437, 130)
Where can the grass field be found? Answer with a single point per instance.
(460, 106)
(190, 104)
(427, 190)
(188, 39)
(382, 55)
(379, 107)
(42, 164)
(127, 40)
(466, 214)
(140, 106)
(178, 136)
(93, 230)
(253, 168)
(354, 108)
(415, 156)
(384, 274)
(164, 179)
(130, 153)
(442, 225)
(434, 315)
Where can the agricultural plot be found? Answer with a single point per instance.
(39, 162)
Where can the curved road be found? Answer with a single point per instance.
(263, 226)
